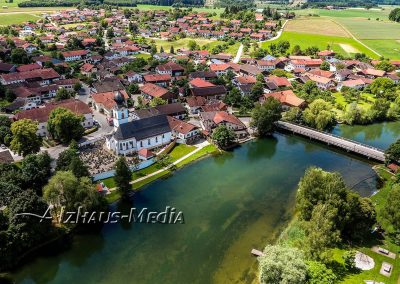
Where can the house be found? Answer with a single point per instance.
(162, 80)
(41, 115)
(249, 70)
(286, 98)
(220, 69)
(7, 68)
(133, 77)
(184, 132)
(104, 102)
(321, 82)
(145, 154)
(194, 104)
(372, 73)
(6, 158)
(171, 68)
(133, 136)
(306, 64)
(41, 76)
(74, 55)
(88, 69)
(280, 82)
(176, 110)
(150, 91)
(212, 92)
(266, 65)
(327, 54)
(212, 119)
(357, 84)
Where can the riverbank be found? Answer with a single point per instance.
(294, 234)
(152, 173)
(232, 202)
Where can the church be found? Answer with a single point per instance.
(130, 136)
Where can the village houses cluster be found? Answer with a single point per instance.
(186, 113)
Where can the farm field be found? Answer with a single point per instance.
(342, 45)
(389, 48)
(347, 13)
(322, 26)
(17, 18)
(371, 29)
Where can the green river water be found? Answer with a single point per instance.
(231, 203)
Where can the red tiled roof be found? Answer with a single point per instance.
(200, 83)
(154, 90)
(42, 114)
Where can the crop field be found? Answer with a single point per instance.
(316, 25)
(343, 45)
(17, 18)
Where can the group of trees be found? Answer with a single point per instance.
(395, 15)
(331, 212)
(31, 188)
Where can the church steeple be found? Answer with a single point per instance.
(120, 112)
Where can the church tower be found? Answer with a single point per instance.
(120, 112)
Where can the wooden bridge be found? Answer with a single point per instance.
(337, 141)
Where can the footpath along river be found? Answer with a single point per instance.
(231, 203)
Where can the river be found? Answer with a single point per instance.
(231, 203)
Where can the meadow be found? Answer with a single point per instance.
(184, 43)
(17, 18)
(371, 27)
(343, 45)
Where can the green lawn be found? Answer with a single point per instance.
(10, 19)
(342, 45)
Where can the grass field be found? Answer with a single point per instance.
(389, 48)
(342, 45)
(143, 7)
(381, 35)
(183, 43)
(321, 26)
(17, 18)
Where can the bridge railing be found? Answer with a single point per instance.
(329, 134)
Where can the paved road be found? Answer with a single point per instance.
(238, 54)
(278, 34)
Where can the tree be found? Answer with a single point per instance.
(321, 232)
(395, 15)
(64, 125)
(8, 193)
(157, 101)
(223, 136)
(281, 264)
(77, 86)
(325, 66)
(78, 167)
(123, 176)
(192, 45)
(25, 141)
(319, 115)
(392, 154)
(65, 190)
(379, 109)
(385, 65)
(264, 116)
(292, 115)
(391, 210)
(349, 258)
(5, 121)
(318, 273)
(171, 50)
(133, 88)
(383, 88)
(19, 56)
(36, 170)
(63, 94)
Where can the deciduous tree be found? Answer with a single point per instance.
(64, 125)
(25, 141)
